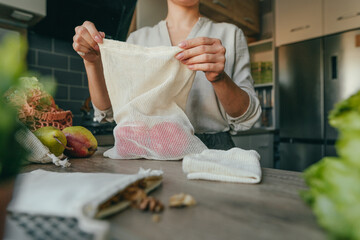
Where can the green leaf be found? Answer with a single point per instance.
(12, 66)
(346, 114)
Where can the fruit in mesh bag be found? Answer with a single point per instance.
(131, 139)
(52, 138)
(168, 139)
(80, 142)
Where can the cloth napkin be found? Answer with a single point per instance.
(71, 195)
(234, 165)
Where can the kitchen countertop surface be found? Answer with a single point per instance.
(254, 131)
(269, 210)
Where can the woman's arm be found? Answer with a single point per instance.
(85, 43)
(234, 100)
(208, 55)
(97, 87)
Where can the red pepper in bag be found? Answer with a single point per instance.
(131, 139)
(168, 139)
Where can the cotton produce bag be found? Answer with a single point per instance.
(148, 90)
(45, 196)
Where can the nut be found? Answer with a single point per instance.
(181, 200)
(134, 194)
(151, 204)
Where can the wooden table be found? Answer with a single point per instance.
(269, 210)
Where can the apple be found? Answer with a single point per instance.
(80, 142)
(131, 139)
(168, 139)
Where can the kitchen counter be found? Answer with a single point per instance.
(269, 210)
(254, 131)
(105, 139)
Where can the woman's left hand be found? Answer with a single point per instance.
(204, 54)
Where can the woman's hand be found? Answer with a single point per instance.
(86, 41)
(204, 54)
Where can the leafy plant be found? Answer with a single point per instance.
(12, 66)
(334, 182)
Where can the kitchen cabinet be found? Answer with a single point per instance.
(298, 20)
(341, 15)
(244, 14)
(262, 143)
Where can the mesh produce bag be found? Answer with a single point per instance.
(37, 108)
(148, 89)
(38, 152)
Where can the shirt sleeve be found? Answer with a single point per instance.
(242, 77)
(103, 115)
(130, 38)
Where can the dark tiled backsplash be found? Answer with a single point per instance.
(56, 58)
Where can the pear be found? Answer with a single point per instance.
(80, 142)
(53, 138)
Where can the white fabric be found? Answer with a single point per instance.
(38, 152)
(234, 165)
(148, 89)
(203, 109)
(73, 195)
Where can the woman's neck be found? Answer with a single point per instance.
(180, 20)
(182, 16)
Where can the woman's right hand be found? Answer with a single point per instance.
(85, 41)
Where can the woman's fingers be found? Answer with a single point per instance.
(85, 41)
(191, 43)
(207, 67)
(89, 33)
(204, 58)
(78, 39)
(83, 33)
(204, 54)
(96, 36)
(192, 52)
(81, 49)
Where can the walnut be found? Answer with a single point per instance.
(134, 195)
(140, 200)
(181, 200)
(151, 204)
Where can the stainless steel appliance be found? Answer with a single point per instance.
(313, 76)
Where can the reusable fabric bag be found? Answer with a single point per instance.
(148, 90)
(38, 152)
(70, 196)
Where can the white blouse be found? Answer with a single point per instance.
(203, 108)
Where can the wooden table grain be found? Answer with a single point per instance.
(269, 210)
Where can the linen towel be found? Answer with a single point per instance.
(72, 195)
(234, 165)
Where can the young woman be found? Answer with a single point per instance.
(222, 98)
